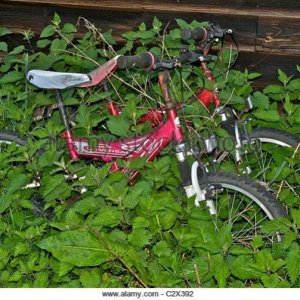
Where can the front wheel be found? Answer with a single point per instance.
(270, 157)
(242, 205)
(273, 158)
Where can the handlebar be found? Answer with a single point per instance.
(148, 60)
(202, 34)
(144, 60)
(187, 57)
(199, 34)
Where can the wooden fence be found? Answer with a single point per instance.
(268, 31)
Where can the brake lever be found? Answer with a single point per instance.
(164, 65)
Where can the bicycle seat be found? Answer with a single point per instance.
(62, 80)
(56, 80)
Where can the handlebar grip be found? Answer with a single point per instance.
(198, 34)
(144, 60)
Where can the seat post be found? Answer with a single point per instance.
(62, 111)
(67, 133)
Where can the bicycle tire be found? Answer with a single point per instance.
(261, 203)
(275, 136)
(9, 137)
(272, 142)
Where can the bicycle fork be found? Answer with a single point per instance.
(189, 177)
(232, 124)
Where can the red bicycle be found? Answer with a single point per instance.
(233, 200)
(253, 152)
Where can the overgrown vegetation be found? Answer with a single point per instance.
(120, 236)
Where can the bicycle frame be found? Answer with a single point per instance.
(149, 144)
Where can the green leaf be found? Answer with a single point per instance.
(41, 280)
(260, 100)
(253, 76)
(79, 248)
(295, 215)
(140, 222)
(58, 44)
(243, 268)
(69, 28)
(5, 202)
(265, 262)
(282, 225)
(162, 249)
(182, 24)
(175, 34)
(56, 19)
(48, 31)
(132, 199)
(288, 105)
(4, 31)
(270, 281)
(17, 50)
(118, 126)
(109, 37)
(90, 278)
(108, 216)
(273, 89)
(143, 26)
(40, 132)
(240, 250)
(16, 182)
(156, 24)
(224, 237)
(282, 77)
(43, 43)
(139, 237)
(11, 77)
(63, 269)
(294, 85)
(271, 115)
(87, 205)
(293, 263)
(55, 187)
(220, 270)
(3, 47)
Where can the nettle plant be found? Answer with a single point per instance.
(146, 235)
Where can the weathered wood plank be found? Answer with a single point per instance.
(267, 64)
(36, 17)
(278, 35)
(167, 7)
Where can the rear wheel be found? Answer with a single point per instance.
(11, 150)
(10, 137)
(243, 205)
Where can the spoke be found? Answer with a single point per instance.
(254, 226)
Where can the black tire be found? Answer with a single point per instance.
(269, 143)
(273, 135)
(9, 137)
(253, 207)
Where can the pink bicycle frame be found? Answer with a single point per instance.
(149, 144)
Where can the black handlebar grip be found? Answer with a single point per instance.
(198, 34)
(145, 60)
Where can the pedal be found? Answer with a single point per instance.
(44, 112)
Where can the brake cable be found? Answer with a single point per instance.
(235, 59)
